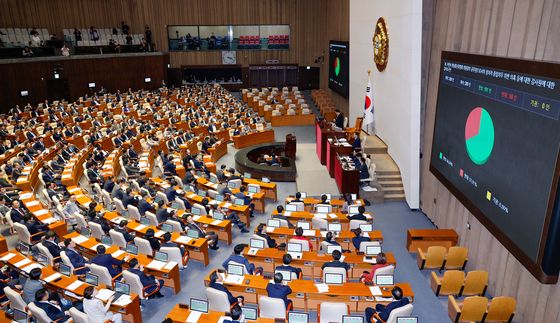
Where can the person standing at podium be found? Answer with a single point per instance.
(339, 119)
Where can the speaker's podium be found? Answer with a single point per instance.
(323, 131)
(290, 147)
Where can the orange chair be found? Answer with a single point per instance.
(476, 283)
(450, 283)
(471, 309)
(456, 258)
(434, 257)
(501, 309)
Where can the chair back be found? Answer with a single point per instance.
(96, 230)
(235, 183)
(501, 309)
(176, 225)
(257, 237)
(16, 301)
(354, 224)
(217, 300)
(174, 254)
(456, 258)
(103, 274)
(201, 208)
(476, 283)
(77, 316)
(435, 257)
(319, 224)
(163, 197)
(133, 280)
(80, 221)
(106, 196)
(365, 244)
(387, 270)
(152, 218)
(474, 308)
(45, 252)
(144, 246)
(9, 219)
(300, 206)
(38, 313)
(117, 238)
(133, 212)
(452, 282)
(66, 260)
(327, 205)
(272, 308)
(400, 311)
(119, 206)
(22, 232)
(335, 270)
(332, 312)
(304, 244)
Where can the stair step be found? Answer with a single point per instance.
(375, 150)
(394, 197)
(390, 183)
(385, 179)
(388, 172)
(395, 191)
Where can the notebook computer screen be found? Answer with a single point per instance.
(23, 248)
(366, 227)
(353, 209)
(373, 250)
(192, 234)
(247, 175)
(202, 193)
(323, 209)
(384, 280)
(273, 223)
(213, 179)
(332, 278)
(218, 216)
(265, 180)
(20, 316)
(331, 248)
(122, 288)
(195, 211)
(236, 270)
(219, 198)
(144, 220)
(303, 195)
(158, 199)
(92, 279)
(132, 249)
(64, 269)
(407, 319)
(199, 305)
(256, 243)
(176, 206)
(352, 319)
(294, 247)
(253, 189)
(161, 256)
(298, 317)
(286, 275)
(86, 232)
(249, 313)
(239, 202)
(167, 227)
(291, 207)
(334, 227)
(304, 225)
(42, 259)
(106, 240)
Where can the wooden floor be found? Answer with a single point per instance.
(387, 171)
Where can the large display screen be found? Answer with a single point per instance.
(338, 67)
(496, 144)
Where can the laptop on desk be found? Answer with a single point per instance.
(234, 274)
(121, 289)
(295, 250)
(255, 245)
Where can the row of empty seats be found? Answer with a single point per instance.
(20, 37)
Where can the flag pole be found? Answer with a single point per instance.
(367, 127)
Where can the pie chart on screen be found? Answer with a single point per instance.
(337, 66)
(479, 135)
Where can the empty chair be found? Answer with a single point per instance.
(476, 283)
(400, 311)
(272, 308)
(152, 218)
(501, 309)
(136, 286)
(433, 258)
(304, 244)
(456, 258)
(119, 207)
(117, 238)
(332, 312)
(23, 234)
(319, 224)
(335, 270)
(107, 202)
(81, 222)
(449, 284)
(473, 308)
(16, 301)
(175, 225)
(356, 223)
(217, 300)
(144, 246)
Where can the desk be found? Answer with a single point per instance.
(347, 179)
(321, 135)
(311, 262)
(305, 295)
(293, 217)
(334, 148)
(218, 151)
(170, 276)
(292, 120)
(424, 238)
(74, 169)
(268, 188)
(311, 202)
(222, 228)
(284, 234)
(42, 214)
(3, 245)
(253, 138)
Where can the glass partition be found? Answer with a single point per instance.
(230, 37)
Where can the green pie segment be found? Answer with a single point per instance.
(337, 66)
(479, 136)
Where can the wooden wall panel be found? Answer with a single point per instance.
(114, 73)
(526, 29)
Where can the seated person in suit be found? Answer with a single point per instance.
(329, 240)
(336, 262)
(360, 216)
(168, 243)
(358, 239)
(357, 144)
(51, 245)
(34, 227)
(339, 119)
(281, 216)
(211, 236)
(278, 290)
(143, 205)
(238, 258)
(106, 260)
(216, 282)
(381, 261)
(287, 260)
(154, 242)
(381, 312)
(235, 314)
(162, 214)
(261, 232)
(77, 260)
(297, 198)
(364, 171)
(149, 283)
(299, 236)
(53, 311)
(121, 227)
(246, 198)
(325, 199)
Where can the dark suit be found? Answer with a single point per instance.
(162, 215)
(357, 240)
(240, 260)
(385, 310)
(279, 291)
(232, 299)
(147, 280)
(108, 186)
(271, 242)
(360, 217)
(339, 121)
(107, 261)
(290, 269)
(144, 206)
(336, 264)
(364, 172)
(54, 312)
(17, 215)
(54, 249)
(77, 261)
(174, 245)
(127, 236)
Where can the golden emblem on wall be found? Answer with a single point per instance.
(381, 45)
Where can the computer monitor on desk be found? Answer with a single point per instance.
(218, 216)
(65, 270)
(273, 223)
(353, 209)
(352, 319)
(304, 225)
(199, 305)
(132, 249)
(384, 280)
(167, 227)
(373, 250)
(303, 195)
(298, 317)
(92, 279)
(286, 274)
(249, 313)
(236, 270)
(407, 319)
(334, 227)
(323, 209)
(366, 227)
(239, 202)
(291, 207)
(331, 248)
(334, 279)
(256, 243)
(253, 189)
(161, 256)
